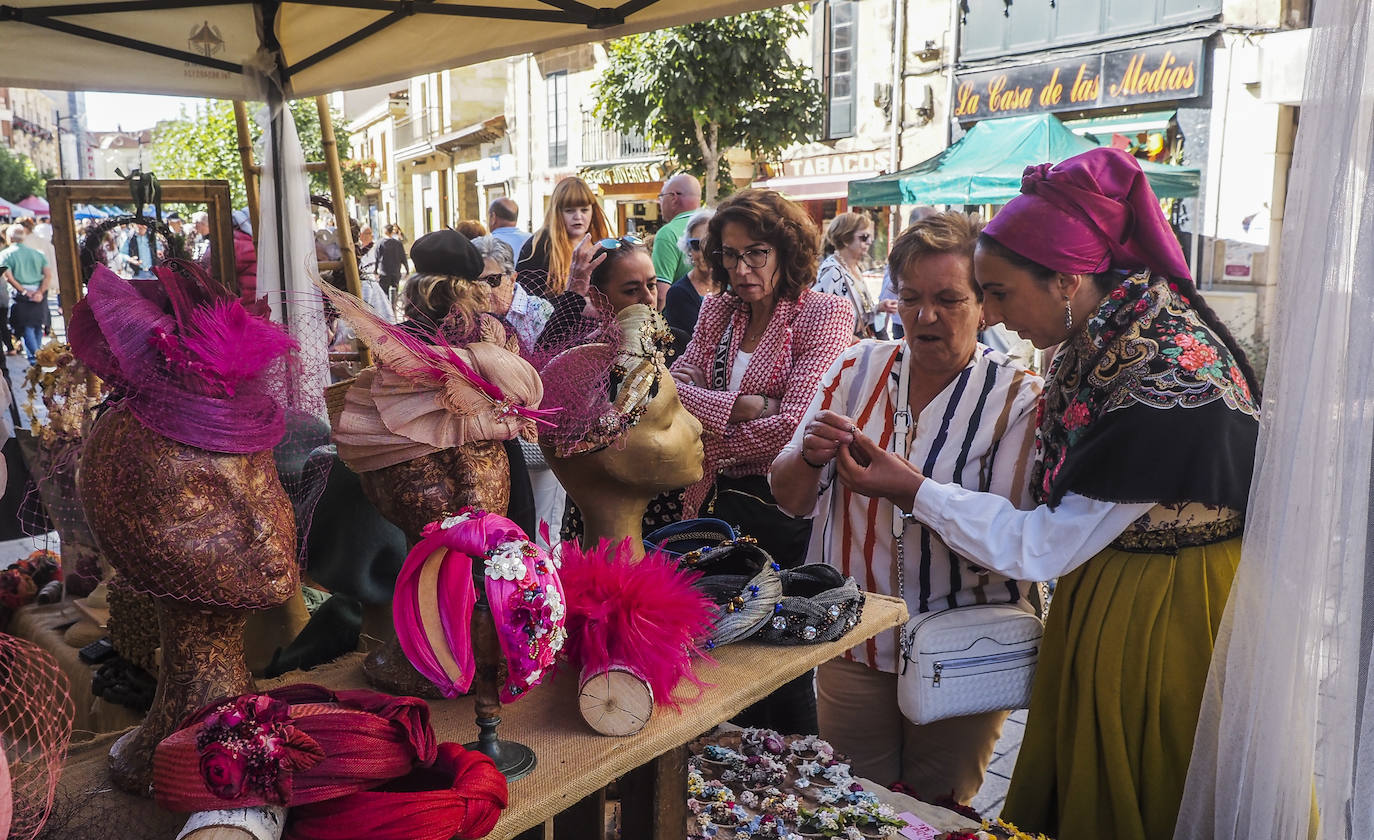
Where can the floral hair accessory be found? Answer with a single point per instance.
(290, 746)
(435, 596)
(250, 743)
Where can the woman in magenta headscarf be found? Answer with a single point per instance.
(1146, 441)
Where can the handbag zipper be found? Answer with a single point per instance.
(974, 661)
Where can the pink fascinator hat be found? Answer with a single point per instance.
(435, 596)
(423, 397)
(187, 358)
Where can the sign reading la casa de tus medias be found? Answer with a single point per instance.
(1149, 74)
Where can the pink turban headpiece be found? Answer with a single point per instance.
(1091, 213)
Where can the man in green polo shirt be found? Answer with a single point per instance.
(27, 271)
(677, 201)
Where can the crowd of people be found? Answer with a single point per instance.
(932, 466)
(886, 435)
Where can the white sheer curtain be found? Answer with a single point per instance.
(1287, 722)
(286, 249)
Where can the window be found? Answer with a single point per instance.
(556, 85)
(840, 101)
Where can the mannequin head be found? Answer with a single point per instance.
(414, 493)
(204, 527)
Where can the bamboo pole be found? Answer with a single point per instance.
(352, 279)
(250, 169)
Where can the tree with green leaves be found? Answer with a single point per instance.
(19, 179)
(205, 145)
(699, 90)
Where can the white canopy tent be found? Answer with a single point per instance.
(273, 50)
(207, 47)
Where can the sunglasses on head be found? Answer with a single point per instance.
(613, 243)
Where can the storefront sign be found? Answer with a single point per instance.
(1126, 77)
(839, 165)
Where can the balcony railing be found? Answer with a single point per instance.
(602, 144)
(413, 130)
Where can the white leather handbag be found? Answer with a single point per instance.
(965, 660)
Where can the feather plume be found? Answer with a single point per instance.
(230, 346)
(430, 362)
(644, 615)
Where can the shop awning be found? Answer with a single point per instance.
(211, 47)
(985, 167)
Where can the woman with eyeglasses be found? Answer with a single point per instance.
(545, 262)
(754, 363)
(522, 312)
(683, 303)
(847, 241)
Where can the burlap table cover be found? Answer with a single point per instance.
(574, 761)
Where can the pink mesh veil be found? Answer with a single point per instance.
(36, 711)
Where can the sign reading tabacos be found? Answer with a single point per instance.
(1149, 74)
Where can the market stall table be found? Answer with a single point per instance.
(575, 763)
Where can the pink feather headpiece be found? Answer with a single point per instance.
(190, 361)
(425, 396)
(643, 616)
(435, 596)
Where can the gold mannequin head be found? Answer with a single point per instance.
(644, 443)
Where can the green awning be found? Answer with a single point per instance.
(985, 165)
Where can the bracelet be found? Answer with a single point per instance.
(802, 453)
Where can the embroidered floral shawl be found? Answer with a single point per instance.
(1146, 404)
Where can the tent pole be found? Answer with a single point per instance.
(342, 225)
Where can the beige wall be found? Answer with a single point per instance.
(35, 107)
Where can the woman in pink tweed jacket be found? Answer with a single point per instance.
(760, 348)
(755, 361)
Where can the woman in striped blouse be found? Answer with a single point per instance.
(972, 411)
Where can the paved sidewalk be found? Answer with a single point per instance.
(993, 794)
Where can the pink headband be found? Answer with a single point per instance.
(435, 596)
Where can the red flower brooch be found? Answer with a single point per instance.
(250, 742)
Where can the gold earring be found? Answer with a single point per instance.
(1068, 314)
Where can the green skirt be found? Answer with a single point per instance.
(1117, 691)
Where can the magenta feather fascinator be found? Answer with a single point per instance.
(435, 596)
(186, 357)
(644, 615)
